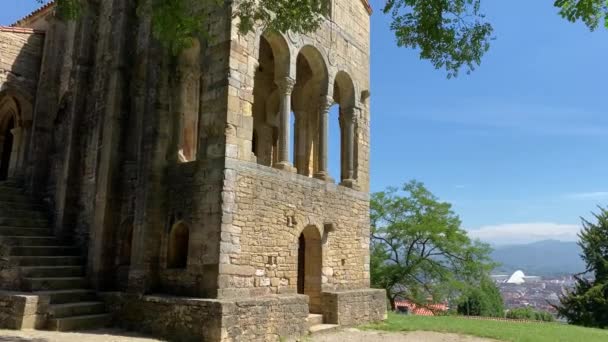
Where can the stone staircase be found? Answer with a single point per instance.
(48, 267)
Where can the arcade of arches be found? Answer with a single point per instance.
(280, 100)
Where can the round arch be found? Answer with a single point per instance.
(310, 263)
(344, 90)
(177, 249)
(280, 51)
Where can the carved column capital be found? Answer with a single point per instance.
(325, 103)
(285, 85)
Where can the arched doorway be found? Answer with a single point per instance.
(6, 147)
(309, 267)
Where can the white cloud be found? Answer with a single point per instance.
(597, 195)
(519, 233)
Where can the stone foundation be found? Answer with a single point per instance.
(192, 319)
(354, 307)
(22, 311)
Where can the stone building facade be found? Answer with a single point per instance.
(196, 187)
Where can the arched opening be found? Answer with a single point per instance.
(187, 101)
(344, 97)
(309, 267)
(273, 68)
(311, 84)
(124, 257)
(6, 143)
(177, 254)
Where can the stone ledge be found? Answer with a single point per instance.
(293, 178)
(354, 307)
(19, 310)
(267, 318)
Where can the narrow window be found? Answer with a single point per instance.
(178, 246)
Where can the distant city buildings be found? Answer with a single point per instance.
(519, 290)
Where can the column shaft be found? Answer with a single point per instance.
(285, 88)
(324, 106)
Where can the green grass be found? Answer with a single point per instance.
(500, 330)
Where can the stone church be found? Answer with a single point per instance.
(188, 196)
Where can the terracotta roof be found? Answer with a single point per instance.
(368, 7)
(14, 29)
(428, 310)
(39, 12)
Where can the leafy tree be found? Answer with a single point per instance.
(483, 300)
(587, 303)
(419, 250)
(451, 34)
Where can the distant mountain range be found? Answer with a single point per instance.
(543, 258)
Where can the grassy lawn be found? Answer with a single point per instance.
(505, 331)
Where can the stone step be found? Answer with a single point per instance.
(54, 283)
(29, 240)
(69, 296)
(44, 251)
(25, 231)
(23, 222)
(77, 309)
(20, 212)
(88, 322)
(323, 328)
(14, 196)
(48, 260)
(52, 271)
(314, 319)
(28, 205)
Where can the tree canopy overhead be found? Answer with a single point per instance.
(451, 34)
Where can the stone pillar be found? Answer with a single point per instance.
(285, 88)
(301, 132)
(325, 104)
(349, 148)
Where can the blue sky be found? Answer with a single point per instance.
(519, 147)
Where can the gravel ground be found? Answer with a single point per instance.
(348, 335)
(109, 335)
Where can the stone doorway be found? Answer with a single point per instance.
(6, 147)
(309, 267)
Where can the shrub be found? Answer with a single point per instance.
(485, 301)
(530, 314)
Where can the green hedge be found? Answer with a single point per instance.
(530, 314)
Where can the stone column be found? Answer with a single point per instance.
(349, 148)
(285, 88)
(324, 106)
(300, 134)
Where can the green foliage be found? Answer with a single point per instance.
(484, 300)
(419, 251)
(451, 34)
(530, 314)
(591, 12)
(587, 304)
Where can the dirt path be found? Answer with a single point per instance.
(348, 335)
(354, 335)
(109, 335)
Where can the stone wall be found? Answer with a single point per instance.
(22, 311)
(266, 210)
(355, 307)
(20, 57)
(189, 319)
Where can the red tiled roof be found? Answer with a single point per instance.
(368, 7)
(428, 310)
(41, 11)
(14, 29)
